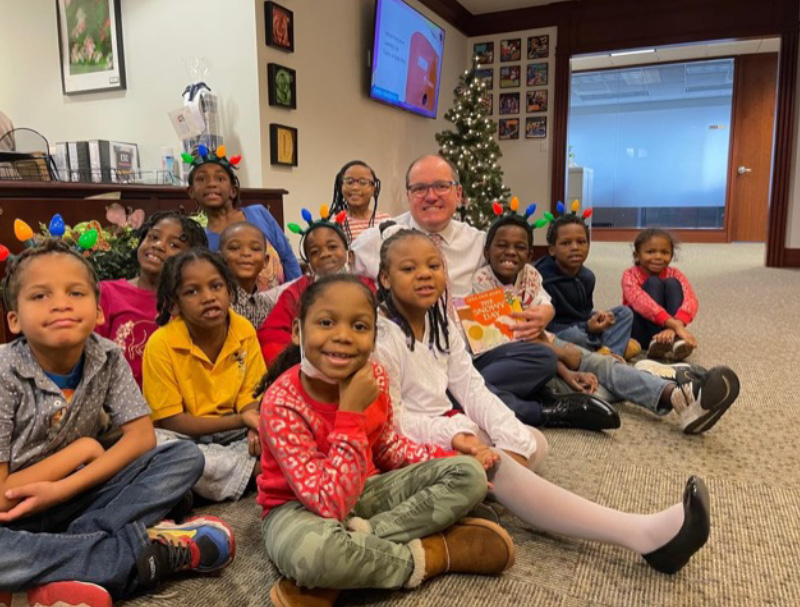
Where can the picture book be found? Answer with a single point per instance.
(486, 318)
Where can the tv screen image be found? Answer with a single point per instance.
(406, 58)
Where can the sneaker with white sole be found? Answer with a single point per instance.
(59, 594)
(665, 371)
(681, 349)
(658, 350)
(706, 397)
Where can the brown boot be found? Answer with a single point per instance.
(472, 545)
(286, 593)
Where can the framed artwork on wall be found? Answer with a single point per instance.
(536, 128)
(487, 76)
(510, 76)
(282, 85)
(484, 51)
(537, 74)
(282, 145)
(509, 103)
(279, 25)
(538, 47)
(487, 101)
(536, 101)
(509, 128)
(90, 46)
(511, 50)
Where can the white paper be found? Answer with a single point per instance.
(185, 123)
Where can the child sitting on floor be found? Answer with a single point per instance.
(70, 510)
(347, 502)
(244, 249)
(213, 185)
(570, 285)
(129, 306)
(200, 371)
(438, 397)
(323, 246)
(661, 297)
(699, 397)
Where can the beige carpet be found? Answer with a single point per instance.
(748, 320)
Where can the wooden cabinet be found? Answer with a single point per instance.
(37, 202)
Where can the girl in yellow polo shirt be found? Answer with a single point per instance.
(200, 370)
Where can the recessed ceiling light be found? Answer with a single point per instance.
(639, 52)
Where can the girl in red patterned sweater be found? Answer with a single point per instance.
(661, 297)
(347, 502)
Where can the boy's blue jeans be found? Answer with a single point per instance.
(97, 536)
(615, 338)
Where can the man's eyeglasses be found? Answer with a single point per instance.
(440, 188)
(363, 182)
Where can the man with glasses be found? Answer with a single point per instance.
(523, 368)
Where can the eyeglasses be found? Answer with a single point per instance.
(440, 188)
(363, 182)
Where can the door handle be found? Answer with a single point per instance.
(743, 169)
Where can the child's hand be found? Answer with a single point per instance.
(359, 391)
(600, 321)
(253, 443)
(250, 418)
(530, 323)
(581, 382)
(34, 497)
(667, 336)
(684, 334)
(468, 444)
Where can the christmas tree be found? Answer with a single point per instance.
(472, 148)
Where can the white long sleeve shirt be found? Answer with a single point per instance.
(418, 384)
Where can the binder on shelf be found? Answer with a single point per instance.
(99, 161)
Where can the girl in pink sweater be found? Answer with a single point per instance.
(662, 300)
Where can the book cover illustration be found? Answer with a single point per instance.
(486, 318)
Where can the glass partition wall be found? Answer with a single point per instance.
(649, 145)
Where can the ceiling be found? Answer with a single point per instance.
(477, 7)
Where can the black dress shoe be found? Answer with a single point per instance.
(693, 534)
(583, 411)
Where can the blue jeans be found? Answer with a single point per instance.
(615, 338)
(666, 293)
(617, 381)
(515, 372)
(97, 536)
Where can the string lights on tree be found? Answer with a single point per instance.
(471, 146)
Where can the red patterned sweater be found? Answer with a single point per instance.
(634, 296)
(314, 453)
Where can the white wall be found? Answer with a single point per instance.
(157, 37)
(526, 163)
(336, 120)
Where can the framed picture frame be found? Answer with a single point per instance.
(484, 52)
(487, 101)
(282, 86)
(90, 46)
(538, 47)
(510, 76)
(536, 74)
(282, 145)
(279, 25)
(487, 76)
(536, 127)
(511, 50)
(536, 101)
(509, 128)
(509, 103)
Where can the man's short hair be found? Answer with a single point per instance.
(453, 167)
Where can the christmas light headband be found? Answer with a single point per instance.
(57, 229)
(205, 156)
(326, 220)
(513, 210)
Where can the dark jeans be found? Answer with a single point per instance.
(666, 293)
(515, 372)
(97, 536)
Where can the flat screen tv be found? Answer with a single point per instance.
(406, 58)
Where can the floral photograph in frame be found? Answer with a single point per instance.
(282, 86)
(536, 127)
(536, 74)
(538, 47)
(508, 128)
(90, 46)
(282, 145)
(279, 25)
(536, 101)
